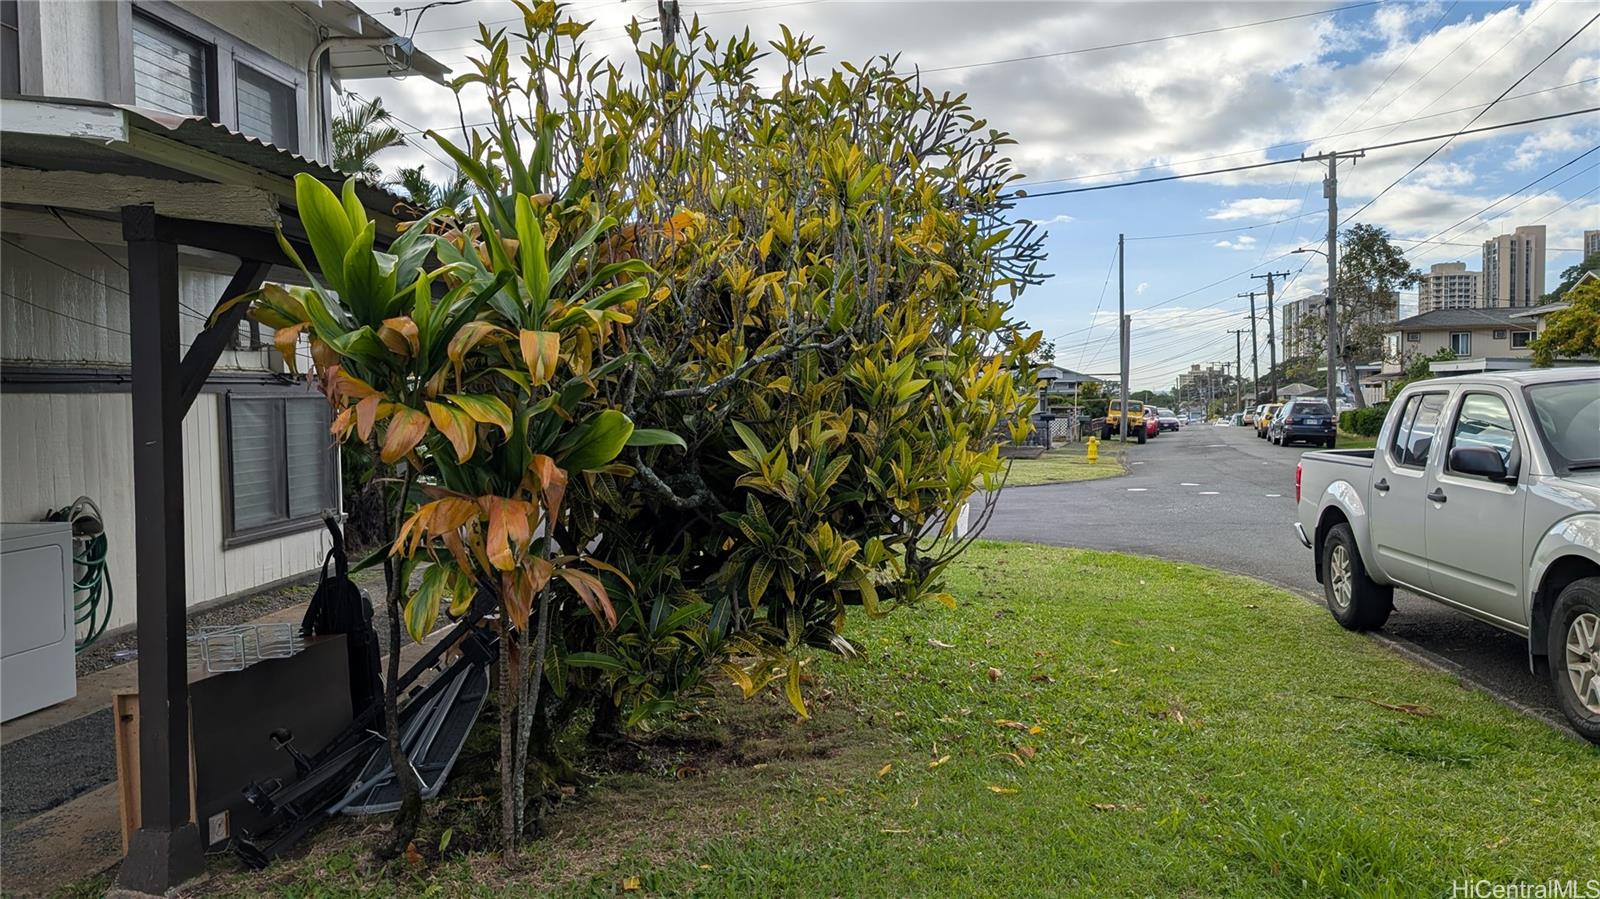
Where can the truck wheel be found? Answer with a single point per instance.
(1105, 432)
(1357, 602)
(1140, 438)
(1573, 645)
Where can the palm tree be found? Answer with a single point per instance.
(426, 194)
(360, 132)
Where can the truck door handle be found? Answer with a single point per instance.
(1436, 496)
(1382, 486)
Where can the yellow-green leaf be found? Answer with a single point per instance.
(457, 427)
(406, 429)
(489, 410)
(541, 352)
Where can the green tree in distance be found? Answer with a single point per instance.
(1573, 332)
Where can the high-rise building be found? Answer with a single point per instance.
(1292, 316)
(1513, 268)
(1449, 285)
(1591, 243)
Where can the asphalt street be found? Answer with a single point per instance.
(1223, 498)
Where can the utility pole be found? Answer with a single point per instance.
(1272, 337)
(1122, 322)
(1238, 348)
(1330, 189)
(1255, 351)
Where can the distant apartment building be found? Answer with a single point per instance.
(1591, 243)
(1292, 316)
(1513, 268)
(1449, 285)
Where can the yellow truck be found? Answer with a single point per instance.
(1113, 424)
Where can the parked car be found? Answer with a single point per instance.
(1484, 494)
(1308, 419)
(1246, 418)
(1237, 419)
(1112, 425)
(1169, 420)
(1152, 426)
(1264, 418)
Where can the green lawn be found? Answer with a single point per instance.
(1348, 440)
(1063, 465)
(1082, 724)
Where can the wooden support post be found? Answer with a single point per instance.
(166, 850)
(207, 346)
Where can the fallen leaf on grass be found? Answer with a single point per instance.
(995, 788)
(1027, 752)
(894, 830)
(938, 761)
(995, 674)
(1041, 678)
(1105, 806)
(412, 855)
(940, 644)
(705, 867)
(1421, 711)
(632, 884)
(1120, 643)
(886, 769)
(1013, 757)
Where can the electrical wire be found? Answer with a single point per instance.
(1464, 129)
(1101, 301)
(1574, 160)
(1272, 162)
(1142, 41)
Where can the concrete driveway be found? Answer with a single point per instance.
(1224, 498)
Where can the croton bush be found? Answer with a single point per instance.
(744, 355)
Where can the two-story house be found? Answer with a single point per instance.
(207, 111)
(1480, 339)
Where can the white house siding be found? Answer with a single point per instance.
(58, 447)
(72, 312)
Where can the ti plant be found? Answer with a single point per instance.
(478, 378)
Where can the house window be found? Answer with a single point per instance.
(1499, 333)
(281, 465)
(171, 70)
(1413, 337)
(1461, 343)
(1519, 339)
(10, 46)
(266, 108)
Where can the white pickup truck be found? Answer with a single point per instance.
(1483, 494)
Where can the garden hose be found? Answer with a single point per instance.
(91, 592)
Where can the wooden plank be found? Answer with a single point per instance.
(230, 203)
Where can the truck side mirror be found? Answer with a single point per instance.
(1481, 461)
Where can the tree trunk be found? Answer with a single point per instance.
(509, 684)
(528, 701)
(1355, 384)
(405, 823)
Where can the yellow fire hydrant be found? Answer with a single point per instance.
(1093, 453)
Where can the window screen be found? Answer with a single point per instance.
(10, 65)
(169, 69)
(282, 466)
(266, 108)
(1519, 339)
(1461, 343)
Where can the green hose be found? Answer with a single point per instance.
(92, 599)
(95, 586)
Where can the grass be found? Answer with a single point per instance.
(1348, 440)
(1060, 466)
(1081, 724)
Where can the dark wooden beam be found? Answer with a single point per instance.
(166, 850)
(208, 345)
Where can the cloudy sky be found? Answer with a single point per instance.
(1339, 76)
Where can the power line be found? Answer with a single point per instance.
(1273, 162)
(1224, 230)
(1110, 267)
(1574, 160)
(195, 313)
(1439, 149)
(1150, 40)
(66, 315)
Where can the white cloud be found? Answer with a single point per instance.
(1143, 286)
(1242, 242)
(1254, 207)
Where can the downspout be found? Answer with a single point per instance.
(319, 120)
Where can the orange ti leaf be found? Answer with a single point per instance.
(541, 351)
(405, 431)
(457, 427)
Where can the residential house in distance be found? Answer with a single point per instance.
(205, 111)
(1448, 285)
(1513, 268)
(1481, 339)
